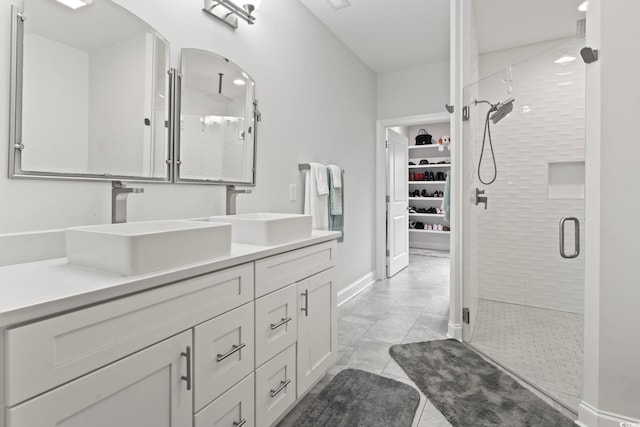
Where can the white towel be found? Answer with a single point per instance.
(315, 203)
(319, 173)
(336, 179)
(335, 197)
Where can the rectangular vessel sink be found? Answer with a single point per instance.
(267, 229)
(142, 247)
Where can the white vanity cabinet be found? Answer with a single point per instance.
(148, 388)
(317, 329)
(232, 347)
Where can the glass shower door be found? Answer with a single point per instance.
(523, 299)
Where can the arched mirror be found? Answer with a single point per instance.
(216, 136)
(90, 96)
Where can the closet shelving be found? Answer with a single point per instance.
(422, 238)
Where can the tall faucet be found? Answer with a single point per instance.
(119, 193)
(232, 192)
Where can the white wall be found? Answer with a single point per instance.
(54, 71)
(318, 103)
(413, 91)
(612, 334)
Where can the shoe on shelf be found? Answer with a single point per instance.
(439, 227)
(424, 162)
(422, 210)
(423, 193)
(411, 164)
(431, 210)
(412, 209)
(429, 227)
(419, 225)
(446, 228)
(412, 225)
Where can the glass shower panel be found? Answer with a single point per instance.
(524, 300)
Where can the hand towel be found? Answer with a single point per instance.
(336, 197)
(335, 190)
(336, 178)
(316, 204)
(319, 173)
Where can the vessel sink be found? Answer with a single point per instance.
(142, 247)
(267, 229)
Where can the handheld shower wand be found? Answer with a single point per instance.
(500, 110)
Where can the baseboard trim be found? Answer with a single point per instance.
(454, 331)
(588, 416)
(356, 287)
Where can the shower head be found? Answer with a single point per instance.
(501, 110)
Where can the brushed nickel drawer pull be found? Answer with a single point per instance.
(283, 321)
(187, 378)
(305, 294)
(283, 385)
(240, 423)
(234, 349)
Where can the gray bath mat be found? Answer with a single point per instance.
(470, 391)
(357, 398)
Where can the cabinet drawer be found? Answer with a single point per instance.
(281, 270)
(232, 408)
(144, 389)
(48, 353)
(275, 387)
(276, 323)
(224, 353)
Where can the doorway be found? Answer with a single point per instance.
(411, 215)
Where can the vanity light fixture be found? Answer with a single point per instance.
(75, 4)
(229, 12)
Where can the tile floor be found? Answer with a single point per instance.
(543, 346)
(412, 306)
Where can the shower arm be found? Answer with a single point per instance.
(482, 101)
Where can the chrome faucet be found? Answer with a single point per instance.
(232, 192)
(119, 193)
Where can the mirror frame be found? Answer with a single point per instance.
(15, 117)
(177, 94)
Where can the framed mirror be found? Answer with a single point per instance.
(216, 139)
(90, 93)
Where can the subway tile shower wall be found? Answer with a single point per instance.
(515, 244)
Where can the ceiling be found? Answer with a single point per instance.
(397, 34)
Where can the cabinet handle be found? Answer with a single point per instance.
(283, 385)
(240, 423)
(306, 303)
(234, 349)
(187, 378)
(282, 321)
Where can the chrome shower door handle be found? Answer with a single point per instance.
(576, 222)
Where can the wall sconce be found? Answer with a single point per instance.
(229, 12)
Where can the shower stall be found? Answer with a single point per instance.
(523, 217)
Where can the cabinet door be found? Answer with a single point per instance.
(317, 328)
(144, 389)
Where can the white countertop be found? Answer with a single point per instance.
(39, 289)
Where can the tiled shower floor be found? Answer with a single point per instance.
(543, 346)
